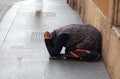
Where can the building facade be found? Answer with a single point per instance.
(105, 16)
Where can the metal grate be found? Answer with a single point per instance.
(48, 14)
(38, 13)
(37, 37)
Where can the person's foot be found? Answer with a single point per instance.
(53, 57)
(62, 56)
(47, 35)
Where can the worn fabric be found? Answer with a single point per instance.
(55, 48)
(82, 36)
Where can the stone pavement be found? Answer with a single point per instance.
(5, 5)
(22, 51)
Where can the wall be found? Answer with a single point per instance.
(91, 13)
(102, 5)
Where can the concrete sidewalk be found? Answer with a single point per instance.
(22, 51)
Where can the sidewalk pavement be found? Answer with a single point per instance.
(5, 5)
(23, 54)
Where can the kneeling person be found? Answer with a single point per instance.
(82, 41)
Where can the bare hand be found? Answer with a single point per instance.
(47, 35)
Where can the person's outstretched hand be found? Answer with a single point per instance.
(47, 35)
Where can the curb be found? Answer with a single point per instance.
(4, 11)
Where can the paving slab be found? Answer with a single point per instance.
(23, 54)
(5, 5)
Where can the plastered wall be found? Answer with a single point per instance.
(90, 13)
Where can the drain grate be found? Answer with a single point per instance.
(37, 37)
(38, 13)
(48, 14)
